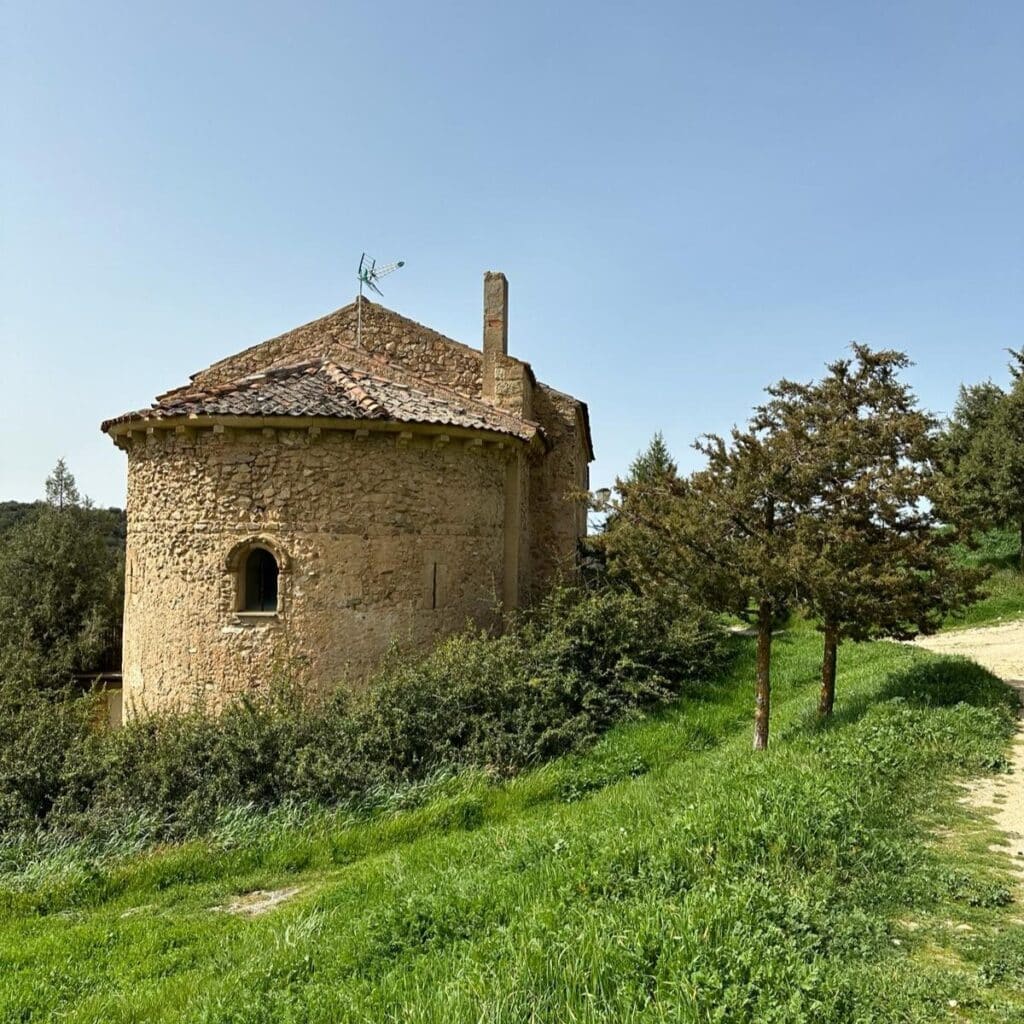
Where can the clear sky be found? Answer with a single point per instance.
(690, 200)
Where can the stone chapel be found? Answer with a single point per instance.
(305, 504)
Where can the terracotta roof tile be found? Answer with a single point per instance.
(323, 387)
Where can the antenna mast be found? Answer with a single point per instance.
(370, 274)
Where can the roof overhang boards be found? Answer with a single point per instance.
(146, 430)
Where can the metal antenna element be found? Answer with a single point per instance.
(370, 274)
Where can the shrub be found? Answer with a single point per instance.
(563, 673)
(42, 735)
(568, 670)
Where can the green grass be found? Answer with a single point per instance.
(668, 875)
(1004, 590)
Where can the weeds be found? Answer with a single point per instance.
(552, 684)
(665, 874)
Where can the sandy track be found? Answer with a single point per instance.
(1000, 649)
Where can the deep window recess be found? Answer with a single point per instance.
(260, 582)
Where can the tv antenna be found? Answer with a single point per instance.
(370, 274)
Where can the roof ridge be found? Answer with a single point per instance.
(430, 389)
(391, 373)
(340, 376)
(374, 307)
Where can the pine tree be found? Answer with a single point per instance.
(868, 552)
(719, 537)
(981, 457)
(61, 490)
(651, 486)
(654, 464)
(60, 589)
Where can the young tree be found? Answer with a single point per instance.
(721, 536)
(868, 552)
(60, 589)
(654, 465)
(61, 490)
(652, 483)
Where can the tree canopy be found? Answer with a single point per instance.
(869, 556)
(60, 588)
(719, 537)
(823, 499)
(981, 456)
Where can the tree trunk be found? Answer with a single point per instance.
(763, 686)
(827, 699)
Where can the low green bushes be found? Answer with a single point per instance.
(664, 874)
(565, 672)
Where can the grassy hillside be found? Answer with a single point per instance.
(669, 875)
(998, 550)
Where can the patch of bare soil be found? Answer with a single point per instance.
(252, 904)
(1000, 649)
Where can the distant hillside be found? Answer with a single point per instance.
(113, 519)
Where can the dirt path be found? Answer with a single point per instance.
(1001, 650)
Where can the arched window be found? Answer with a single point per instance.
(260, 594)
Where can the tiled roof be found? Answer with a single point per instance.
(323, 387)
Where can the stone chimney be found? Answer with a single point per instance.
(495, 329)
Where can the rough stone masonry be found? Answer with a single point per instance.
(304, 505)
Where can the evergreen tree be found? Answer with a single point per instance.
(981, 457)
(61, 490)
(868, 552)
(651, 484)
(720, 537)
(60, 589)
(654, 464)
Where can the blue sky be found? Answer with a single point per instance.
(690, 200)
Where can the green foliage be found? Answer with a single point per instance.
(61, 490)
(41, 735)
(717, 537)
(664, 875)
(61, 589)
(869, 555)
(636, 525)
(568, 670)
(13, 512)
(823, 500)
(112, 521)
(948, 682)
(997, 552)
(572, 666)
(982, 458)
(654, 464)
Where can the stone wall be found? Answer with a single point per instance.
(384, 533)
(558, 516)
(386, 336)
(556, 520)
(381, 537)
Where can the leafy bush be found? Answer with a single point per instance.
(42, 734)
(567, 671)
(560, 676)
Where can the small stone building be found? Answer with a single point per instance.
(304, 505)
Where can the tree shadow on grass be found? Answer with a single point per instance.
(1009, 560)
(945, 681)
(938, 681)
